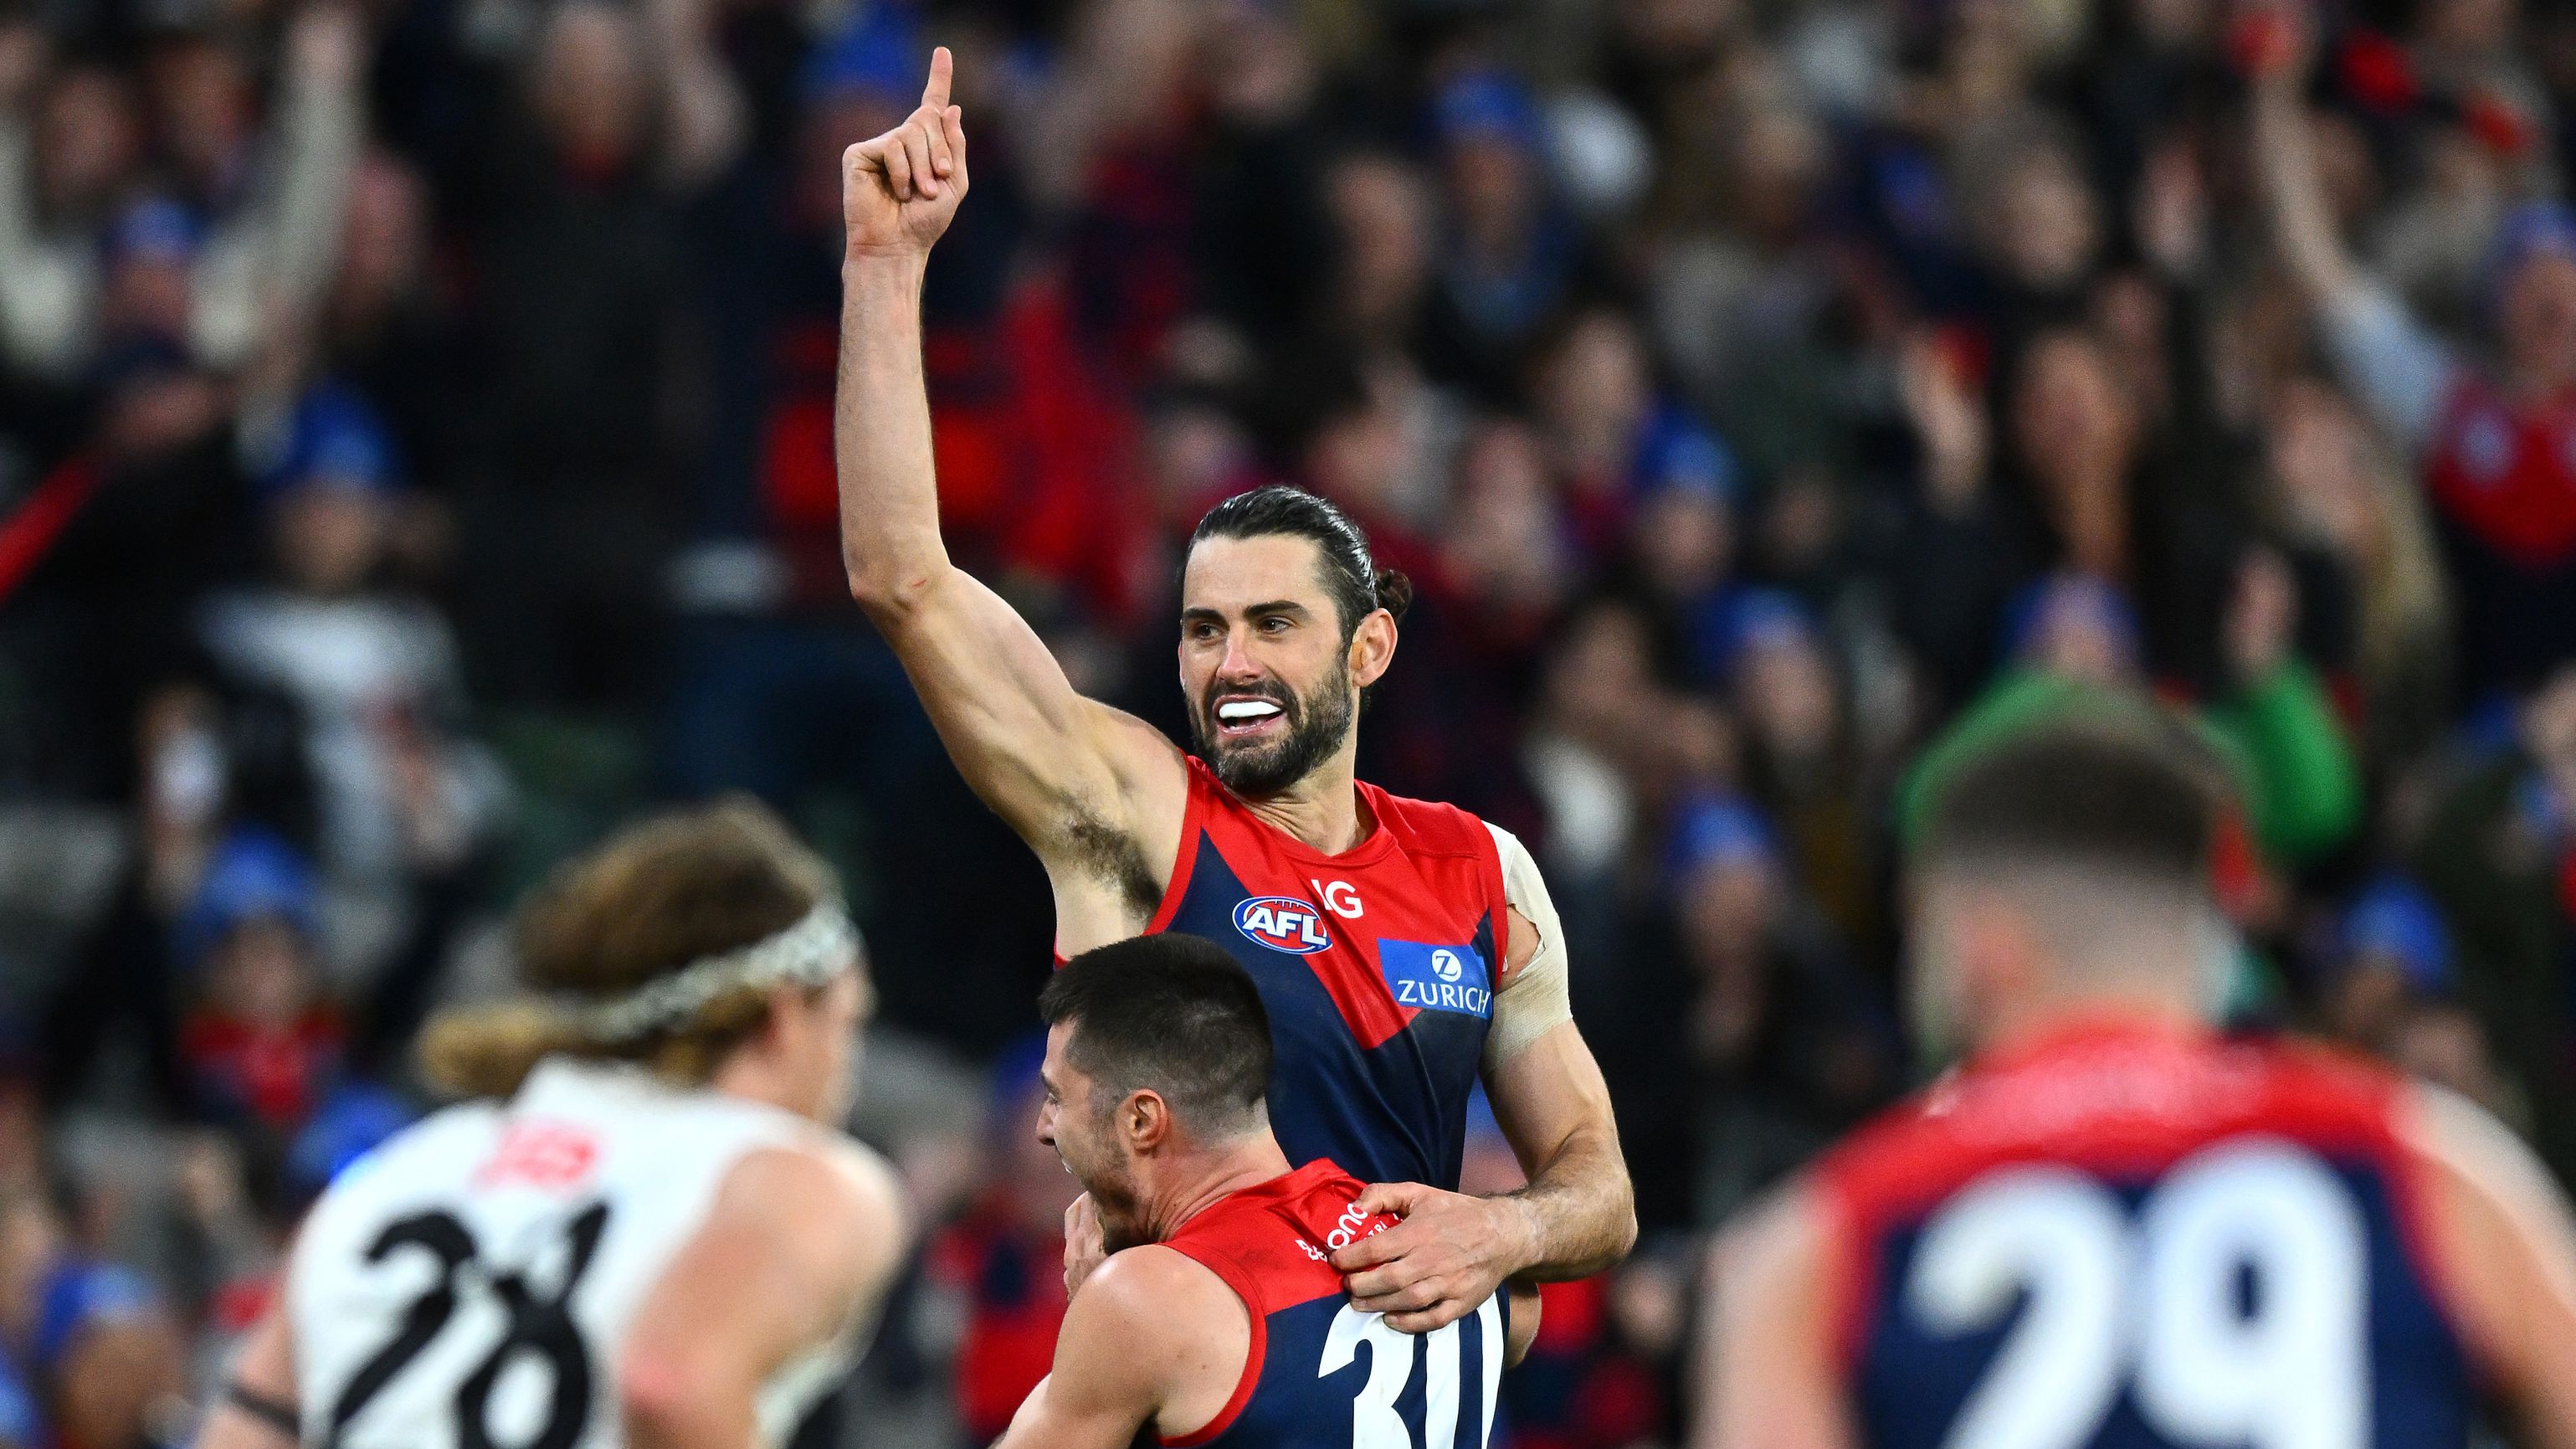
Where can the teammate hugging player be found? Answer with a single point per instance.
(2114, 1227)
(1403, 948)
(1215, 1317)
(643, 1233)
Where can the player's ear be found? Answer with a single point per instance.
(1372, 648)
(1145, 1120)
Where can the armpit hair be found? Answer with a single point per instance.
(1112, 856)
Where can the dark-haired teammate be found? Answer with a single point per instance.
(2114, 1227)
(1402, 948)
(1216, 1317)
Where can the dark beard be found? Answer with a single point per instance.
(1315, 729)
(1120, 1225)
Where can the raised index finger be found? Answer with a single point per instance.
(942, 66)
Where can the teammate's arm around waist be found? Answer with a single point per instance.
(1047, 760)
(800, 1242)
(1151, 1340)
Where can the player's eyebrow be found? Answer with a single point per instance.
(1203, 614)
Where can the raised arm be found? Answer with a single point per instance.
(2381, 350)
(1063, 770)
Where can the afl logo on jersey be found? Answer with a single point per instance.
(1282, 923)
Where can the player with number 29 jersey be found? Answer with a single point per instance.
(2114, 1227)
(2129, 1236)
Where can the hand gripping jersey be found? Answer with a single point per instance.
(2123, 1237)
(1320, 1374)
(1378, 967)
(469, 1284)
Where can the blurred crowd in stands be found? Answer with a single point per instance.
(414, 456)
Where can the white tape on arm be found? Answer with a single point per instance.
(1534, 1000)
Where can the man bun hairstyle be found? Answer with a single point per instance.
(2129, 794)
(1355, 581)
(1173, 1014)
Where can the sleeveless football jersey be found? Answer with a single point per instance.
(1320, 1374)
(1378, 967)
(2126, 1237)
(470, 1283)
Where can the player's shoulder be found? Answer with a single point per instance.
(2118, 1094)
(829, 1206)
(1272, 1242)
(451, 1142)
(1155, 1300)
(834, 1184)
(1430, 827)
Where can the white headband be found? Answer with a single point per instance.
(808, 953)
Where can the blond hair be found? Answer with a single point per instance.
(657, 896)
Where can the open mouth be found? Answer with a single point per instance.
(1248, 717)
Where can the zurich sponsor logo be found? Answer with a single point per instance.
(1282, 923)
(1437, 978)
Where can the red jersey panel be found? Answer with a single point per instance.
(2123, 1236)
(1377, 966)
(1320, 1374)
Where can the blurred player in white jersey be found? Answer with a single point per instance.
(642, 1231)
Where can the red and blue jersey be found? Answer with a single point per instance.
(1378, 967)
(1320, 1374)
(2137, 1238)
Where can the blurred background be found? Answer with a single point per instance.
(414, 458)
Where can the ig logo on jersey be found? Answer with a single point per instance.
(1282, 923)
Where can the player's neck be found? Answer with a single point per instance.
(2148, 1002)
(1213, 1173)
(1321, 811)
(751, 1077)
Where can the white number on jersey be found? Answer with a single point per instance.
(539, 1327)
(2157, 1303)
(1375, 1423)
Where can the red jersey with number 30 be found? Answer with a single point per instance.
(1320, 1374)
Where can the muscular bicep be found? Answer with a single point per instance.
(1150, 1339)
(1064, 1416)
(1549, 1097)
(1048, 760)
